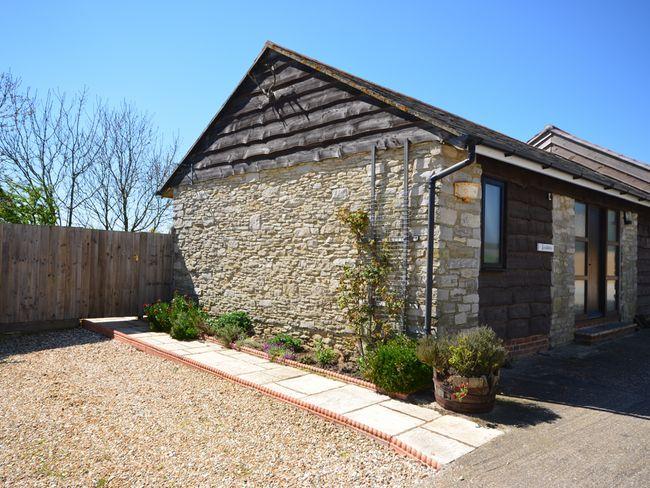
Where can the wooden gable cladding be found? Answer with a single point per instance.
(288, 112)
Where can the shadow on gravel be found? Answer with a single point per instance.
(611, 377)
(17, 344)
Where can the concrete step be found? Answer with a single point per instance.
(603, 332)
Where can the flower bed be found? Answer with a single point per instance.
(297, 364)
(389, 365)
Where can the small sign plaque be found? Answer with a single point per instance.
(542, 247)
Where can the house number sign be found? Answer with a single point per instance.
(542, 247)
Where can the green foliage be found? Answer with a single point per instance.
(395, 368)
(231, 326)
(239, 319)
(187, 318)
(248, 342)
(435, 352)
(276, 352)
(287, 342)
(184, 327)
(230, 333)
(364, 293)
(324, 355)
(470, 354)
(159, 316)
(21, 204)
(477, 353)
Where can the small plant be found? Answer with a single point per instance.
(188, 320)
(364, 292)
(231, 327)
(248, 342)
(158, 316)
(460, 391)
(470, 354)
(477, 353)
(230, 333)
(184, 327)
(395, 368)
(287, 342)
(324, 355)
(238, 318)
(435, 352)
(277, 351)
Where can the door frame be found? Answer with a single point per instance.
(600, 261)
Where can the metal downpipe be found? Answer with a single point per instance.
(471, 157)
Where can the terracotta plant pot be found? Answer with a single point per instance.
(481, 393)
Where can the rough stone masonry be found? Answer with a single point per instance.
(267, 239)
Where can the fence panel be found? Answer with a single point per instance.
(53, 275)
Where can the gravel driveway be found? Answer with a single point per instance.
(80, 410)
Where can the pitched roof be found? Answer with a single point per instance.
(593, 156)
(460, 130)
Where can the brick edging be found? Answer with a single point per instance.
(299, 365)
(390, 440)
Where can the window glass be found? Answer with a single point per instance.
(492, 219)
(611, 260)
(580, 259)
(579, 304)
(611, 295)
(581, 219)
(612, 228)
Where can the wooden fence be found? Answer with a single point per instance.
(53, 276)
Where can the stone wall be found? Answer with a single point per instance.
(457, 250)
(563, 270)
(268, 240)
(643, 264)
(628, 268)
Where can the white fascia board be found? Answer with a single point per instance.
(554, 173)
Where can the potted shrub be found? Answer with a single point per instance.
(395, 368)
(465, 369)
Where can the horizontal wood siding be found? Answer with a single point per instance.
(643, 265)
(288, 111)
(50, 274)
(516, 301)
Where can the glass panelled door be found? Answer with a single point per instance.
(596, 261)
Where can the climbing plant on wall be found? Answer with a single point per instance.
(364, 292)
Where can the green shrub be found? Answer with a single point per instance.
(477, 353)
(287, 342)
(324, 355)
(435, 352)
(470, 354)
(188, 320)
(230, 333)
(231, 327)
(395, 368)
(184, 327)
(239, 319)
(158, 316)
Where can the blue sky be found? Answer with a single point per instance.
(513, 66)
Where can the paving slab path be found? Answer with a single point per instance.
(421, 432)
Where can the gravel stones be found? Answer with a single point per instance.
(79, 410)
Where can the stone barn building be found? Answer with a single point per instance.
(544, 241)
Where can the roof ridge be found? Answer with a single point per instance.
(598, 147)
